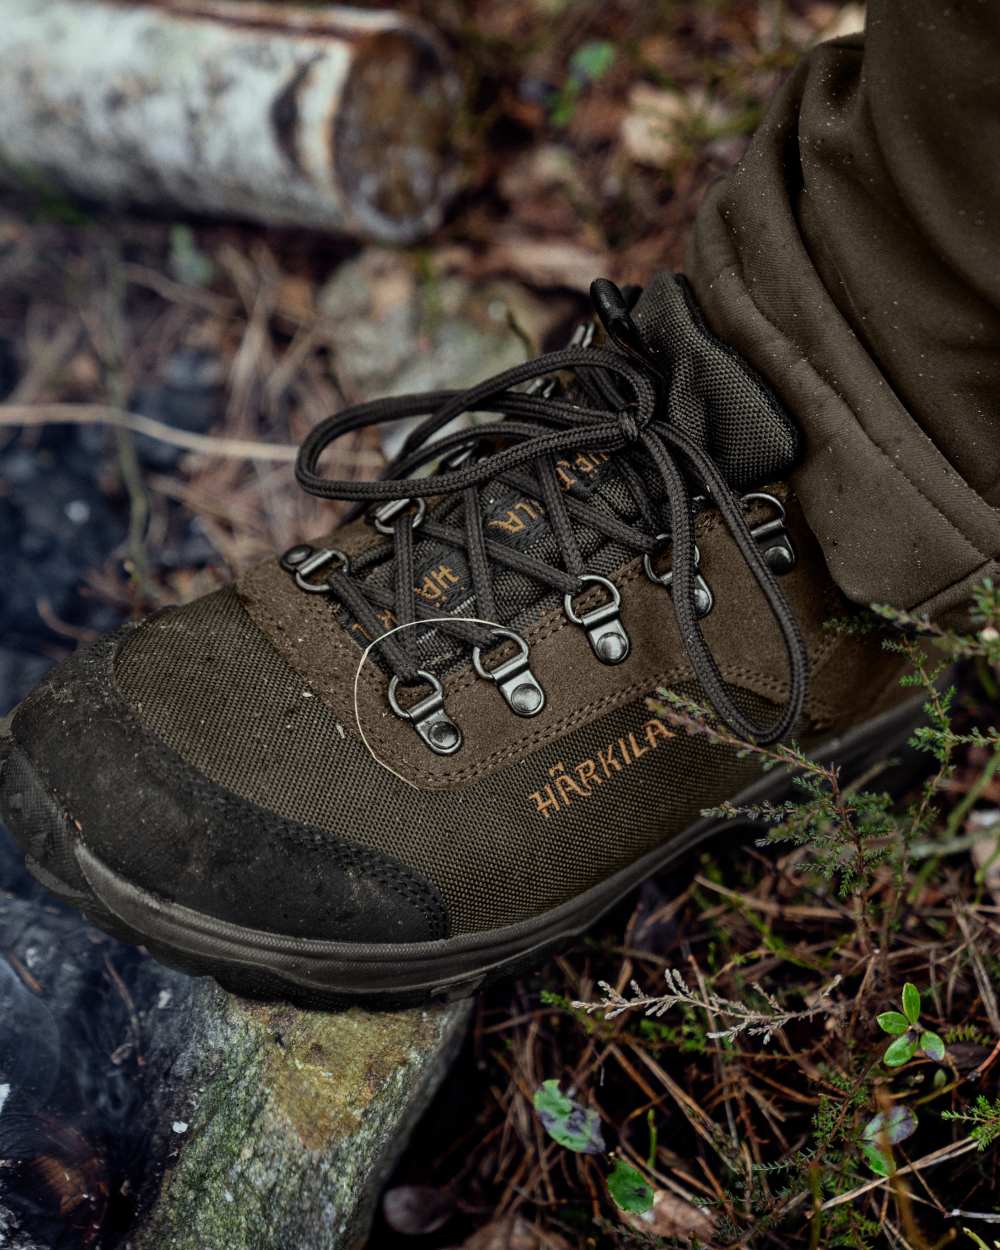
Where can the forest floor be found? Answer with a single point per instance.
(745, 1100)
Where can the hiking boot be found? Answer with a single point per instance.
(422, 752)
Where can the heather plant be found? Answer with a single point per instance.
(822, 1048)
(984, 1116)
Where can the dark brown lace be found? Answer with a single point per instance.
(521, 450)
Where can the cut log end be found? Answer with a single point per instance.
(392, 136)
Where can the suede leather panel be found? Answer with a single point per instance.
(147, 814)
(740, 632)
(532, 822)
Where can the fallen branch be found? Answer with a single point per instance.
(101, 414)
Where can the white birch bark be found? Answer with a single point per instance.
(332, 117)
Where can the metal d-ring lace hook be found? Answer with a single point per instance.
(772, 536)
(605, 631)
(384, 516)
(704, 600)
(303, 561)
(582, 336)
(514, 678)
(428, 715)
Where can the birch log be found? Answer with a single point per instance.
(331, 117)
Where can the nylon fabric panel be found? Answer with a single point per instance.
(714, 395)
(517, 843)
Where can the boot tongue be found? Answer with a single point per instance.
(713, 394)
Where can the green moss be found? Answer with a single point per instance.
(291, 1120)
(327, 1069)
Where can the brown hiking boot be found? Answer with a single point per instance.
(421, 752)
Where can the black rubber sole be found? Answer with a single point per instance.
(335, 974)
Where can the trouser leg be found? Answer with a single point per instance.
(854, 257)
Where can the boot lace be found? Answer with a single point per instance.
(616, 409)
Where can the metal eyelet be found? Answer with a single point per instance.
(772, 536)
(704, 600)
(428, 717)
(385, 514)
(514, 678)
(303, 561)
(605, 631)
(296, 556)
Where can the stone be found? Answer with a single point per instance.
(397, 327)
(77, 1012)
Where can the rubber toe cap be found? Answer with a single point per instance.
(155, 820)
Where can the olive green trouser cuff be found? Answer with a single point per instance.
(854, 257)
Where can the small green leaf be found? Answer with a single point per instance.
(877, 1161)
(894, 1125)
(187, 262)
(900, 1051)
(893, 1022)
(911, 1002)
(567, 1122)
(628, 1189)
(593, 60)
(932, 1045)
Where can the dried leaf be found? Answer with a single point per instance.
(672, 1216)
(547, 262)
(513, 1233)
(661, 122)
